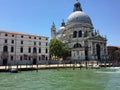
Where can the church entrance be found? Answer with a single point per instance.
(98, 51)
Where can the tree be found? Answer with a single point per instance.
(58, 49)
(55, 48)
(65, 51)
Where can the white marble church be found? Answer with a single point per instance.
(79, 34)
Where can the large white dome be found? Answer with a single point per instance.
(80, 17)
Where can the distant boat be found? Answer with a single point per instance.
(14, 70)
(95, 66)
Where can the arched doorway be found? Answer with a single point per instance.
(34, 61)
(34, 50)
(5, 62)
(43, 57)
(98, 51)
(5, 55)
(5, 49)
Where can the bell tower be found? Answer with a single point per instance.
(53, 31)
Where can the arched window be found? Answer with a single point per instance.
(39, 50)
(5, 49)
(21, 49)
(46, 50)
(80, 34)
(74, 34)
(34, 50)
(12, 49)
(29, 50)
(46, 58)
(77, 45)
(43, 57)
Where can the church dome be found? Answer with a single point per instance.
(79, 17)
(61, 30)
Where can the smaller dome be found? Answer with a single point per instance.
(61, 30)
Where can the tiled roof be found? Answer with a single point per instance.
(114, 46)
(19, 33)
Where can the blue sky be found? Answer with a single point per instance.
(37, 16)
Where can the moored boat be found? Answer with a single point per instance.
(14, 70)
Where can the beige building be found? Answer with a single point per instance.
(22, 48)
(114, 54)
(79, 34)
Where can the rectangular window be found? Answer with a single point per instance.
(6, 34)
(12, 49)
(46, 44)
(29, 50)
(12, 35)
(12, 41)
(21, 58)
(34, 43)
(39, 50)
(34, 37)
(21, 49)
(11, 58)
(46, 50)
(21, 42)
(21, 36)
(5, 40)
(39, 43)
(29, 37)
(29, 58)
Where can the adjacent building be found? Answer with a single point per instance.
(114, 54)
(79, 34)
(22, 48)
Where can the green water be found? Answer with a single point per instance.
(62, 79)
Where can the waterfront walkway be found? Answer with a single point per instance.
(51, 66)
(30, 67)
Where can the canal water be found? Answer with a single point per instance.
(62, 79)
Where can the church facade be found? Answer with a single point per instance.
(79, 34)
